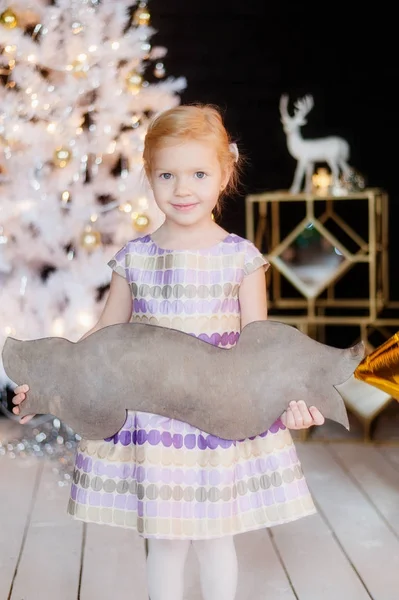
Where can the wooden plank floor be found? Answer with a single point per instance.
(348, 551)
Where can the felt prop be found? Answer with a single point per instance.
(380, 368)
(234, 394)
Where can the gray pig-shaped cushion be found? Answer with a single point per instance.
(231, 393)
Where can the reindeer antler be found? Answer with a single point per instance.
(303, 105)
(284, 106)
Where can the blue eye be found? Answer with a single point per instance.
(200, 175)
(166, 176)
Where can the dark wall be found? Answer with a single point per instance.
(244, 55)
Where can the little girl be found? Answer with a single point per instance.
(172, 483)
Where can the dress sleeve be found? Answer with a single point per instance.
(118, 262)
(254, 259)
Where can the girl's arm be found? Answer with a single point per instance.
(252, 297)
(118, 307)
(253, 304)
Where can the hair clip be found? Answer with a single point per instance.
(234, 150)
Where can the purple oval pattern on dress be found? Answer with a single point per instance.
(154, 437)
(141, 437)
(177, 440)
(87, 464)
(125, 438)
(166, 439)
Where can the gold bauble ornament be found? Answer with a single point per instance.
(134, 82)
(78, 68)
(90, 238)
(142, 15)
(140, 221)
(8, 19)
(62, 156)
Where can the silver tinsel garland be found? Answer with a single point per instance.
(51, 440)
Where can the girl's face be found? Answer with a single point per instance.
(186, 179)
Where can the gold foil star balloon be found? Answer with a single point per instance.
(381, 367)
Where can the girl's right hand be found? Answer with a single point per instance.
(19, 396)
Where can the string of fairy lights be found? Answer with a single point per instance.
(63, 155)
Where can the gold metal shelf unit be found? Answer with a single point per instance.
(317, 276)
(321, 246)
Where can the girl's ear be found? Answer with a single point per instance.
(225, 178)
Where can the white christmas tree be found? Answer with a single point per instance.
(74, 108)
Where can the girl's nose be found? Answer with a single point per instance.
(181, 188)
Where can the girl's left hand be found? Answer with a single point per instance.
(299, 416)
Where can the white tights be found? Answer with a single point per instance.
(218, 568)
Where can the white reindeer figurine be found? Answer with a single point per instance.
(331, 150)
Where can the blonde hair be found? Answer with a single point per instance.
(195, 122)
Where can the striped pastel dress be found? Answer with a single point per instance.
(162, 477)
